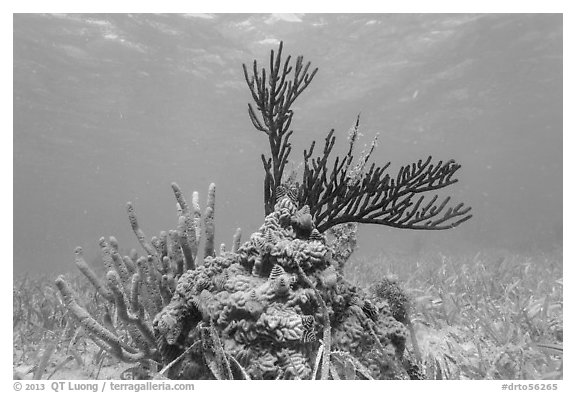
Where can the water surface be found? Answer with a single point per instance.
(112, 108)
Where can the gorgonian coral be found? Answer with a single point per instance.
(349, 189)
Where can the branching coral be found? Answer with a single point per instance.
(344, 191)
(274, 95)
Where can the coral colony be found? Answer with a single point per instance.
(276, 306)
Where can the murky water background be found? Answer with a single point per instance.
(112, 108)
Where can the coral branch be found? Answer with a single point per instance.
(274, 95)
(136, 228)
(186, 229)
(192, 241)
(197, 214)
(183, 241)
(209, 221)
(91, 276)
(346, 190)
(122, 307)
(175, 253)
(236, 240)
(89, 323)
(342, 193)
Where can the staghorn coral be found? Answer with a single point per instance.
(271, 301)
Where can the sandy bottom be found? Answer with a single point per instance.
(64, 367)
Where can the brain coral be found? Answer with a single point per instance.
(263, 301)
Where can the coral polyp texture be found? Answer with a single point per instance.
(268, 304)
